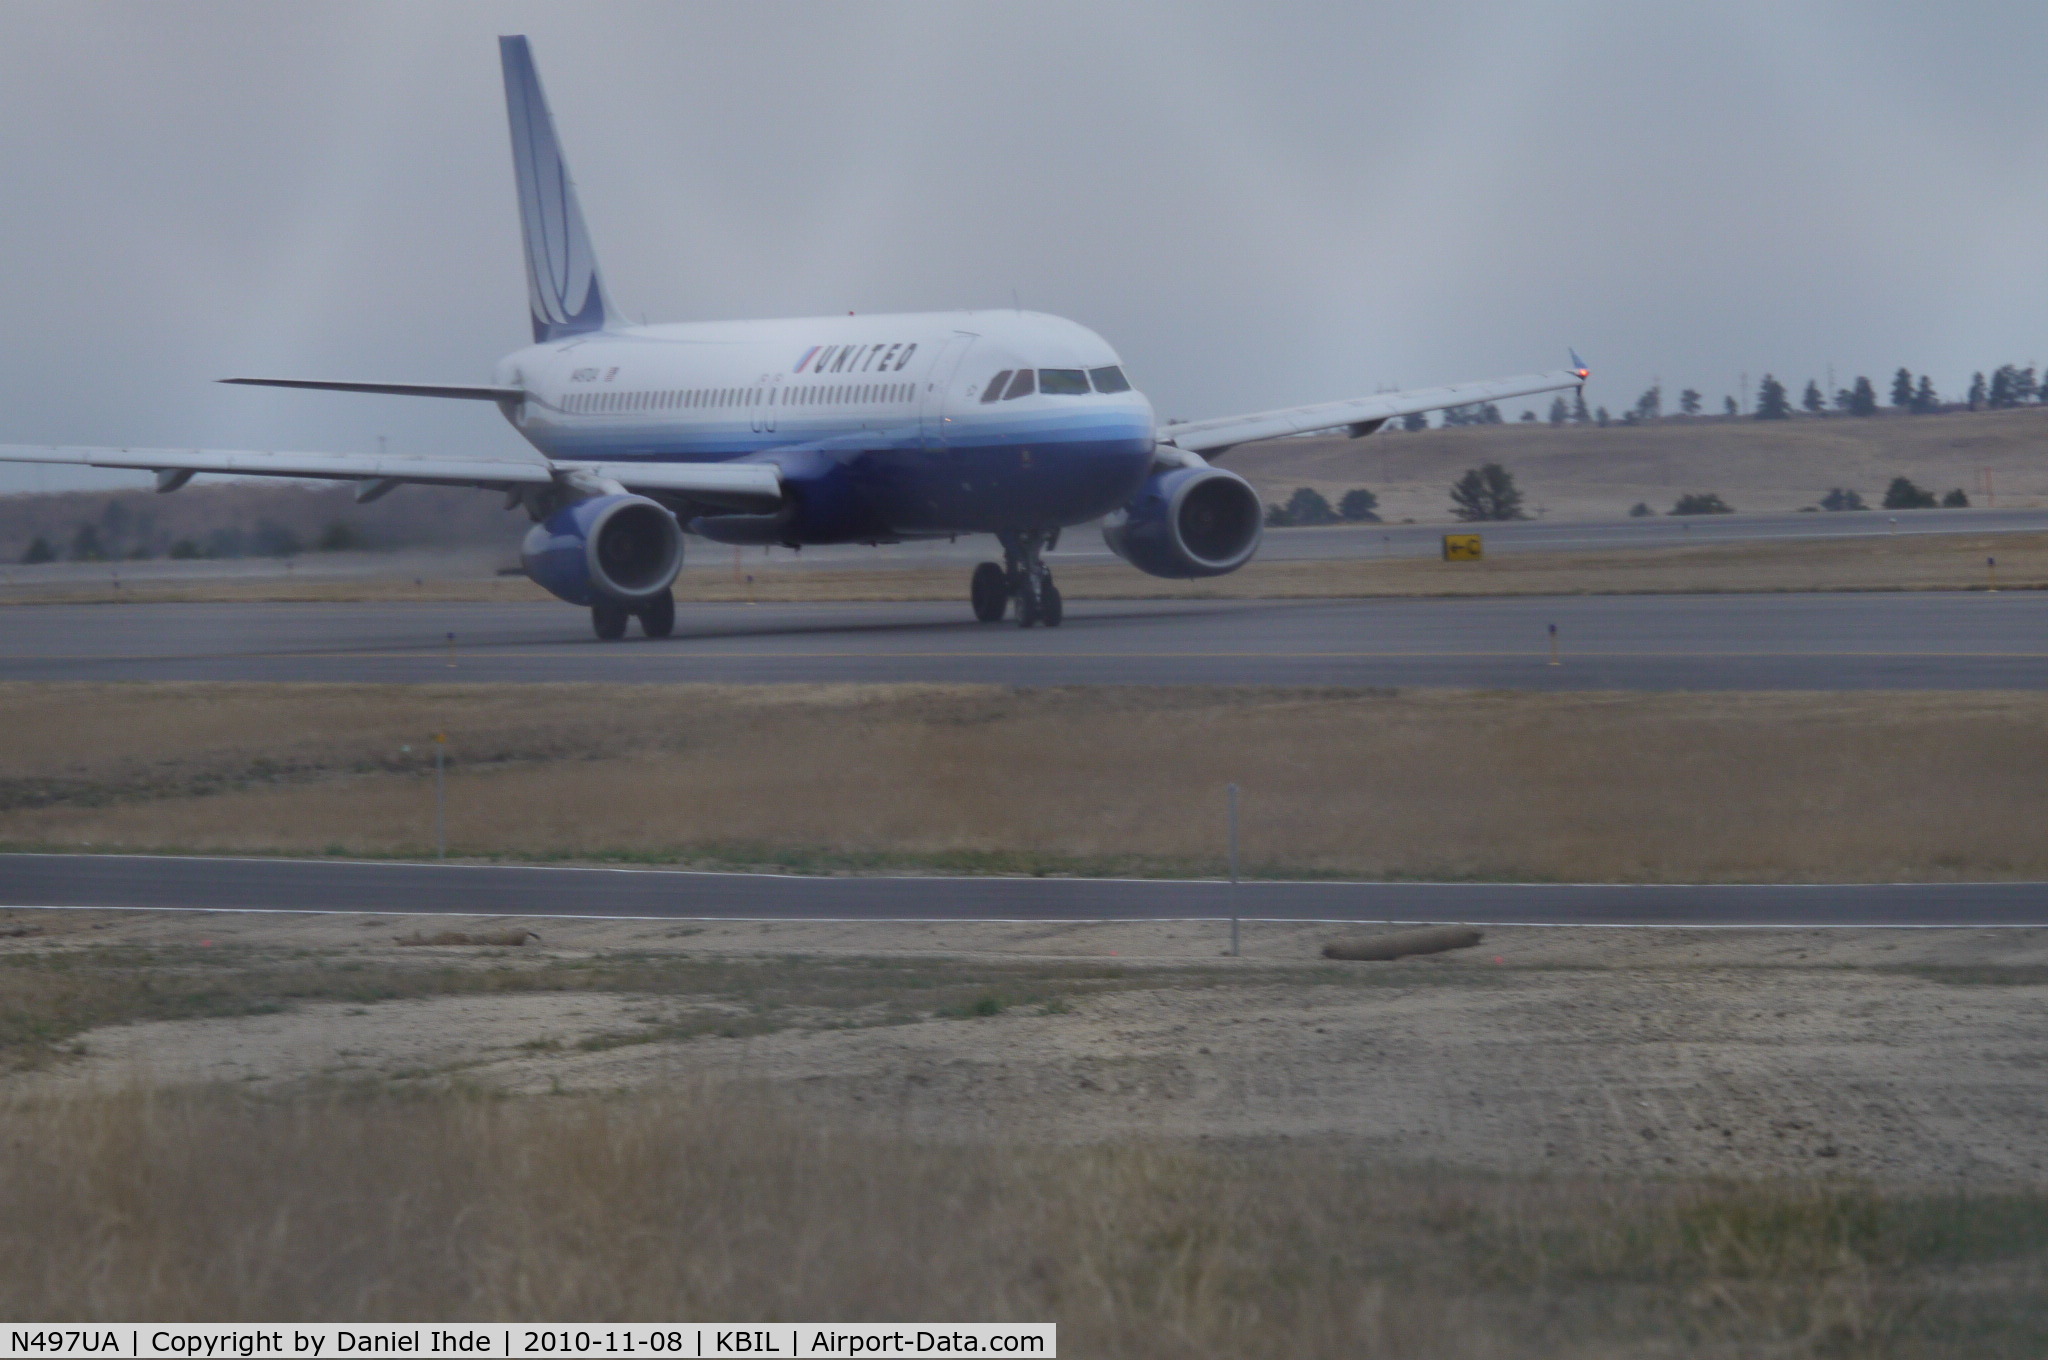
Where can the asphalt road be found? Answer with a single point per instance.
(407, 889)
(1826, 641)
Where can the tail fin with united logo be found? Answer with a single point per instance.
(563, 288)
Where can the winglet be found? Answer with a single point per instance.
(1579, 365)
(563, 288)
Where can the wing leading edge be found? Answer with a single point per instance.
(746, 486)
(1362, 415)
(456, 391)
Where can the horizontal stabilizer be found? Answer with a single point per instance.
(461, 393)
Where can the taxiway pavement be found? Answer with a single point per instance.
(174, 882)
(1931, 640)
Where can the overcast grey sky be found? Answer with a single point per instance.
(1257, 204)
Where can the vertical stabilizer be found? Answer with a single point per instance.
(563, 289)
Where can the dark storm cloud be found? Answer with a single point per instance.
(1257, 204)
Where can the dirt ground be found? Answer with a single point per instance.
(1904, 1056)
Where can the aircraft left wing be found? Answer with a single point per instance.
(748, 486)
(1361, 415)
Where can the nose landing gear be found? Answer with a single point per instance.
(1023, 577)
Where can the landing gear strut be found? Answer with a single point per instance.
(1026, 578)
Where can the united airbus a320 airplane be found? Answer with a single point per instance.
(853, 429)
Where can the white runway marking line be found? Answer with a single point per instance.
(1061, 920)
(1424, 884)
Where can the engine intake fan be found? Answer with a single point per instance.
(1188, 522)
(626, 549)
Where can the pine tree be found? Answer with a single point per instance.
(39, 550)
(1650, 405)
(1415, 420)
(1902, 494)
(1702, 503)
(1925, 401)
(1813, 401)
(2000, 396)
(1978, 396)
(1771, 402)
(1579, 413)
(1863, 398)
(1359, 506)
(1486, 493)
(1307, 506)
(1902, 389)
(1559, 412)
(1689, 402)
(86, 545)
(1729, 408)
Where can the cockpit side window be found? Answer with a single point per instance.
(994, 390)
(1110, 379)
(1062, 382)
(1023, 385)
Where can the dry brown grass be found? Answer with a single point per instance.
(1384, 784)
(719, 1204)
(1880, 562)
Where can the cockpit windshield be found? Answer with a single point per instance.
(1062, 382)
(1110, 379)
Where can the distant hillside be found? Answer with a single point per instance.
(231, 519)
(1586, 472)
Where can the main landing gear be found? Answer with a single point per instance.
(657, 617)
(1023, 577)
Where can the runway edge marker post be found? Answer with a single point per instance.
(1231, 792)
(441, 795)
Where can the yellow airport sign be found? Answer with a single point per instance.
(1463, 548)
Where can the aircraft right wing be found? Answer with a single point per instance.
(744, 486)
(1362, 415)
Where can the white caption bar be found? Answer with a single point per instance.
(322, 1341)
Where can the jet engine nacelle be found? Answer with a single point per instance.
(625, 549)
(1186, 522)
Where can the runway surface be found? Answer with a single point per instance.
(1352, 541)
(1080, 544)
(1930, 640)
(407, 889)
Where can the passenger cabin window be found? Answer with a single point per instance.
(994, 390)
(1023, 385)
(1062, 382)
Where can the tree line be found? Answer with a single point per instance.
(2006, 387)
